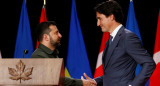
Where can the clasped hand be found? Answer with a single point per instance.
(88, 81)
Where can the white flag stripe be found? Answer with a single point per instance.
(99, 61)
(156, 57)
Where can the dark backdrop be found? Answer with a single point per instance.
(146, 12)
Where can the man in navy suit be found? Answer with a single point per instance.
(122, 52)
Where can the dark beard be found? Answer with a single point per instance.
(53, 43)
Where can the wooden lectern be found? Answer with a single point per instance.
(32, 72)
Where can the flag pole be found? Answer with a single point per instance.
(44, 2)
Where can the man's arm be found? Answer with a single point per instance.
(72, 82)
(78, 82)
(142, 57)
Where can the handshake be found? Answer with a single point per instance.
(88, 81)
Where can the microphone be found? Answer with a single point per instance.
(25, 52)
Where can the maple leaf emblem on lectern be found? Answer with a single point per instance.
(20, 72)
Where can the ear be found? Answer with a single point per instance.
(112, 17)
(46, 37)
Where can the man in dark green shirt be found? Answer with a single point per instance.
(49, 39)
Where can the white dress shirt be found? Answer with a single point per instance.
(113, 34)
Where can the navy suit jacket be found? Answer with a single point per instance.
(121, 59)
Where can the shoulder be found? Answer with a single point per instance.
(128, 38)
(38, 53)
(130, 35)
(132, 41)
(125, 33)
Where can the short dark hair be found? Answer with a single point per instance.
(43, 28)
(110, 7)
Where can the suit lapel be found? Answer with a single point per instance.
(112, 46)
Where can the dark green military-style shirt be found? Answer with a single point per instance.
(44, 52)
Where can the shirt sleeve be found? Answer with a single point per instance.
(72, 82)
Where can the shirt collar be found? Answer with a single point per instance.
(113, 34)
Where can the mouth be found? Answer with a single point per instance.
(101, 27)
(59, 40)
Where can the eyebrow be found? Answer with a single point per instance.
(56, 31)
(98, 17)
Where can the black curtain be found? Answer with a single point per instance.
(59, 10)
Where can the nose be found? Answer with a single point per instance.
(98, 23)
(60, 35)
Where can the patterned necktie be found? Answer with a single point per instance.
(110, 39)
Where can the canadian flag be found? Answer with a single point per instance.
(155, 78)
(99, 67)
(42, 19)
(156, 55)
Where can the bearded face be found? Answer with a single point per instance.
(55, 42)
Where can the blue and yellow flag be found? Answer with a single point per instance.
(24, 38)
(77, 59)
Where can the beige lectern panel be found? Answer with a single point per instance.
(34, 71)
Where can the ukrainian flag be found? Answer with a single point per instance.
(77, 59)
